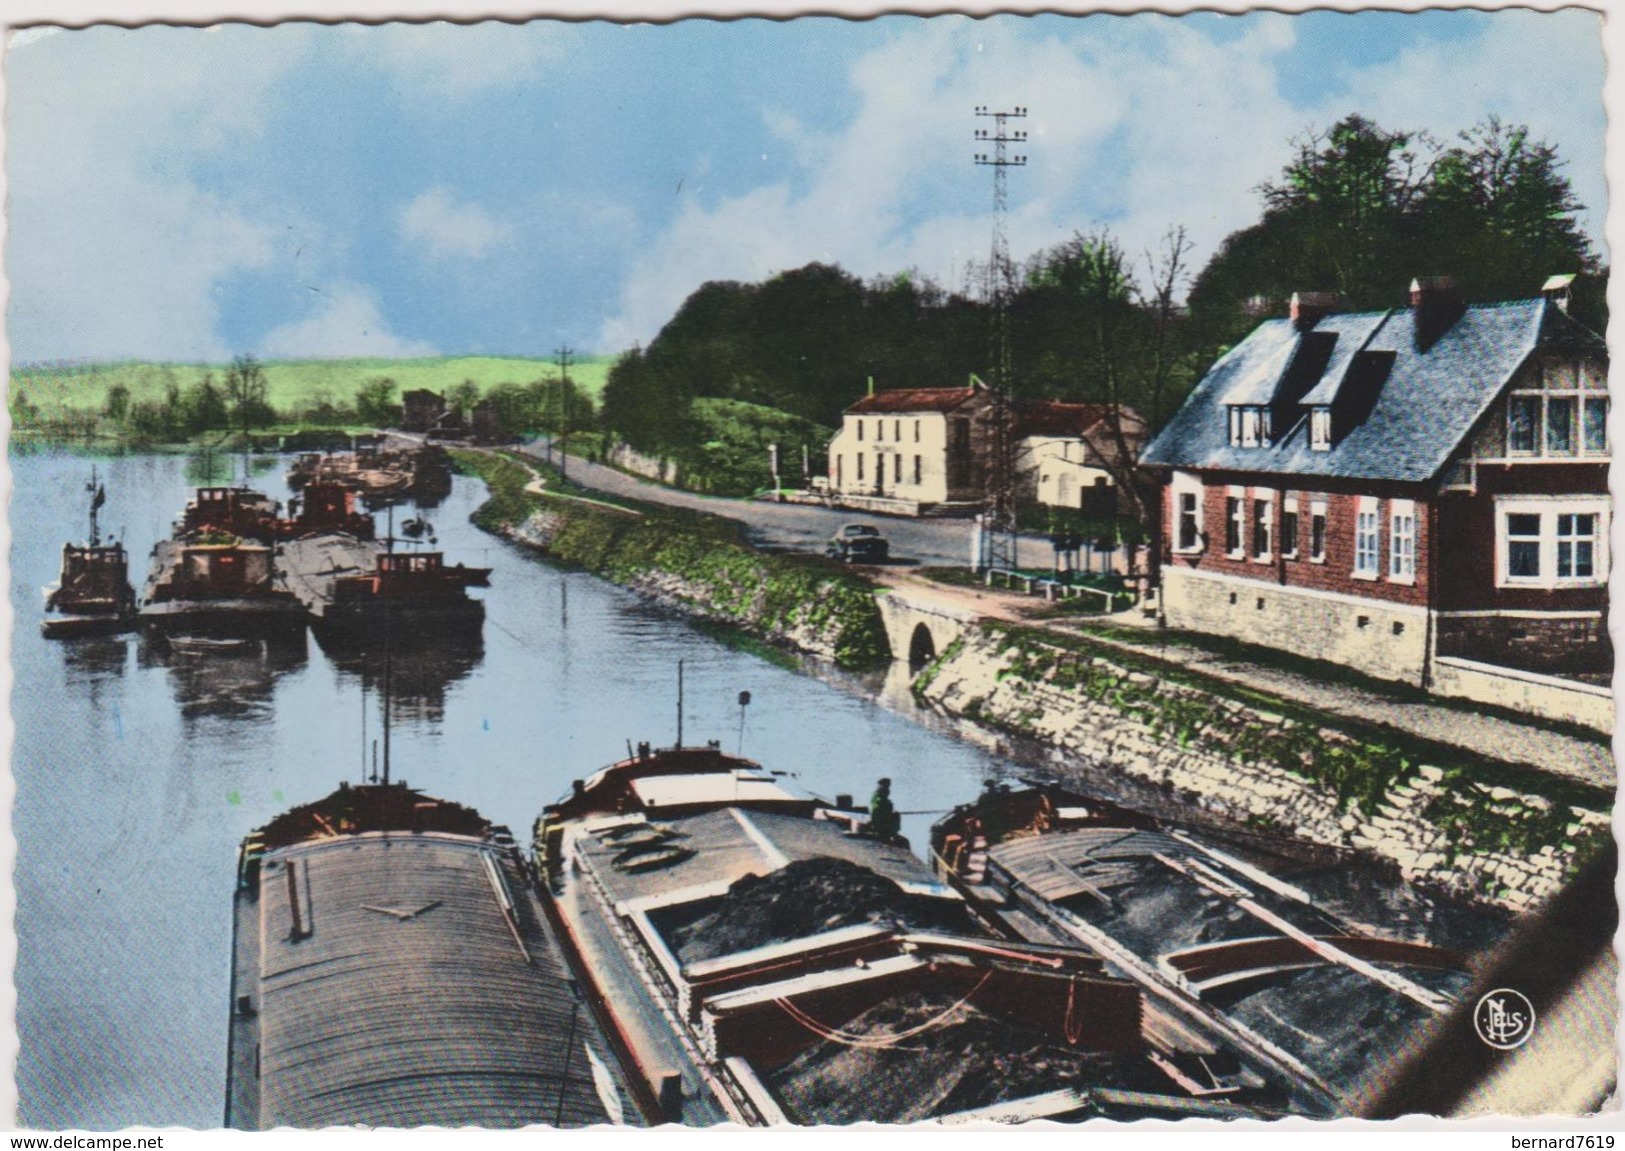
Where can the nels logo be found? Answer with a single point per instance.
(1504, 1019)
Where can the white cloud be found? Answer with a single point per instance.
(437, 61)
(1139, 123)
(446, 229)
(114, 248)
(345, 321)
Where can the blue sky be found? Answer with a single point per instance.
(306, 190)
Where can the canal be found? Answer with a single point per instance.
(137, 771)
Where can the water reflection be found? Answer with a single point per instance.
(222, 678)
(418, 674)
(93, 660)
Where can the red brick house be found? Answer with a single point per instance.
(1420, 493)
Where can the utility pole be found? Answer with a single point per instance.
(998, 536)
(564, 355)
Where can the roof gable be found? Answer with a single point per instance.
(1428, 402)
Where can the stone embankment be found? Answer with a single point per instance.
(1510, 840)
(694, 563)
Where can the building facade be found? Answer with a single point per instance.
(1072, 455)
(918, 446)
(1420, 493)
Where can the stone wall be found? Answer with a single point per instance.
(1388, 641)
(791, 601)
(1438, 825)
(627, 458)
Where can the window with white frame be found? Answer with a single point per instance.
(1289, 528)
(1366, 540)
(1567, 417)
(1402, 541)
(1320, 429)
(1263, 526)
(1317, 530)
(1187, 509)
(1235, 523)
(1552, 541)
(1249, 426)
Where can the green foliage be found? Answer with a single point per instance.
(1362, 210)
(314, 391)
(772, 596)
(375, 401)
(1360, 773)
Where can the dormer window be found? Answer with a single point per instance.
(1249, 426)
(1320, 429)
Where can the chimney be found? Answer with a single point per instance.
(1437, 305)
(1559, 290)
(1308, 307)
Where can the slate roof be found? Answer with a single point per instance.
(902, 400)
(1432, 397)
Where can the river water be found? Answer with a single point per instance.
(138, 772)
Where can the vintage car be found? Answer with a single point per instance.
(859, 544)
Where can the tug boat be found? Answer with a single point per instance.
(756, 957)
(92, 595)
(1217, 941)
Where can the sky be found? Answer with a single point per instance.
(307, 190)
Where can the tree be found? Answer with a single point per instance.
(1500, 213)
(1361, 210)
(375, 402)
(246, 394)
(462, 397)
(203, 407)
(117, 405)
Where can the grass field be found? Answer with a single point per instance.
(294, 384)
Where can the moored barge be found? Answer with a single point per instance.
(755, 957)
(217, 585)
(1212, 937)
(391, 966)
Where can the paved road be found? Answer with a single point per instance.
(800, 527)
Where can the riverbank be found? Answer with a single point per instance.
(1476, 830)
(694, 562)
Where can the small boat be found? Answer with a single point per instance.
(92, 595)
(756, 956)
(202, 645)
(1219, 941)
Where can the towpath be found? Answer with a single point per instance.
(1494, 736)
(801, 527)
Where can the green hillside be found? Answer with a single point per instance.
(294, 384)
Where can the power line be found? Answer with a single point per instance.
(998, 536)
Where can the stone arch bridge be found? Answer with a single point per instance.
(919, 626)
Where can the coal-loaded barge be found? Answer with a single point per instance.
(760, 957)
(392, 966)
(1209, 936)
(235, 568)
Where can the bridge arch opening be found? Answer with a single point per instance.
(922, 649)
